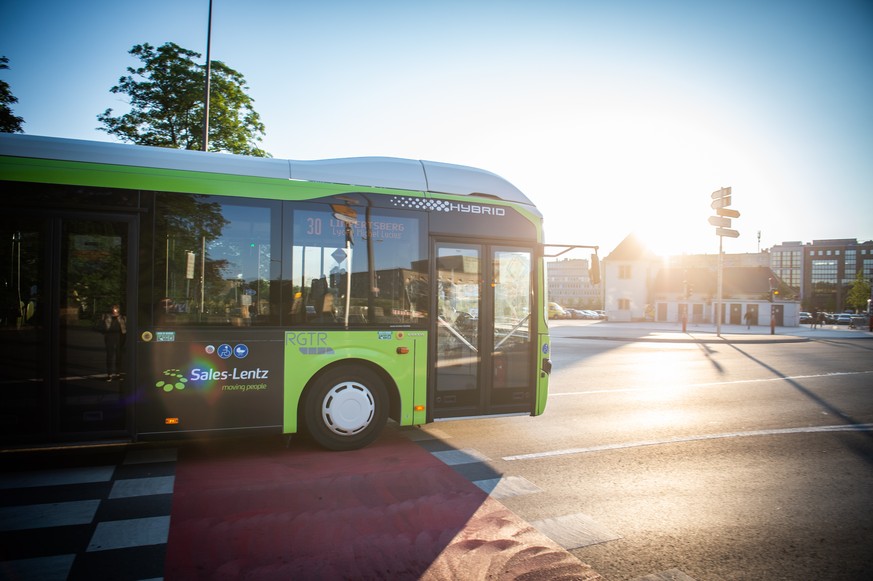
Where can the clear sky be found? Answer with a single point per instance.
(613, 116)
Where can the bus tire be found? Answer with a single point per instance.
(346, 408)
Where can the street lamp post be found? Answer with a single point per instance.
(208, 80)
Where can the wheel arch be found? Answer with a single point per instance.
(391, 388)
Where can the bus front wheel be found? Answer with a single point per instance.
(346, 408)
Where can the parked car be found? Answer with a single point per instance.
(556, 311)
(805, 317)
(844, 319)
(573, 313)
(859, 322)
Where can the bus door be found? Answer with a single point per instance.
(61, 272)
(484, 352)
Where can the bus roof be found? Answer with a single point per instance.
(383, 172)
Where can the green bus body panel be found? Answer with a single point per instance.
(172, 180)
(307, 352)
(542, 380)
(545, 346)
(139, 178)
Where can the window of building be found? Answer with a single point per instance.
(624, 271)
(624, 304)
(824, 276)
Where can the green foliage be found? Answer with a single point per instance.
(9, 123)
(859, 292)
(167, 104)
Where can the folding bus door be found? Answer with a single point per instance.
(483, 347)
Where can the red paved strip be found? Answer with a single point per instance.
(389, 511)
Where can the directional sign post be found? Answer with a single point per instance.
(721, 199)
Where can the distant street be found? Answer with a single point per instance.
(722, 461)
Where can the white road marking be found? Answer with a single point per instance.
(624, 445)
(712, 384)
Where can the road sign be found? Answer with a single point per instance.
(719, 221)
(722, 193)
(726, 232)
(727, 213)
(720, 203)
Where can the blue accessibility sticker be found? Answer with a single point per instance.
(241, 351)
(224, 351)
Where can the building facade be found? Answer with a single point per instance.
(830, 268)
(786, 261)
(570, 285)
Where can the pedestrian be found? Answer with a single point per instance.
(113, 325)
(748, 318)
(814, 317)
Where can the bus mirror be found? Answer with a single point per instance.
(594, 271)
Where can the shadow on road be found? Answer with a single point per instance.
(863, 452)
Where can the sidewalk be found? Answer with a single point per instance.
(699, 333)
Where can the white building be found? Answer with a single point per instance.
(626, 275)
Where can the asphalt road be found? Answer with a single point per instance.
(704, 460)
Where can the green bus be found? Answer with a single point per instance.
(260, 294)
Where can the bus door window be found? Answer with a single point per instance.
(93, 367)
(511, 285)
(458, 302)
(23, 328)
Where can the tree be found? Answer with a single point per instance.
(859, 292)
(166, 104)
(9, 123)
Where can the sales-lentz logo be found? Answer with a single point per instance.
(203, 373)
(174, 380)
